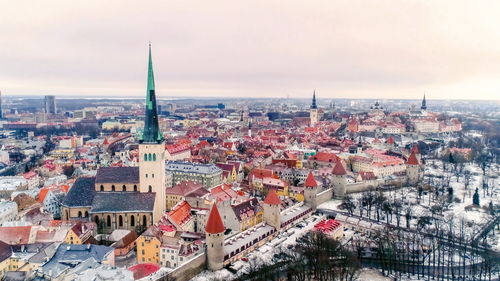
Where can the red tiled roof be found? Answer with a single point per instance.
(390, 140)
(181, 213)
(272, 198)
(311, 181)
(15, 235)
(324, 157)
(412, 160)
(214, 222)
(415, 149)
(41, 196)
(339, 169)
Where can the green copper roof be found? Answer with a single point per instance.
(151, 133)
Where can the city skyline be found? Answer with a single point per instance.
(342, 49)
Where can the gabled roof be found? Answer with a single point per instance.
(184, 188)
(339, 169)
(272, 198)
(412, 160)
(310, 181)
(214, 222)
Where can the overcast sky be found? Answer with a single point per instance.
(346, 49)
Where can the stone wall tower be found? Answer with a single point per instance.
(339, 180)
(272, 209)
(413, 169)
(215, 240)
(310, 191)
(313, 115)
(152, 150)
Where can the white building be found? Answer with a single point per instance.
(8, 211)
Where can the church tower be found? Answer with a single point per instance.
(424, 104)
(215, 240)
(152, 150)
(313, 115)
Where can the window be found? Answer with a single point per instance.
(154, 156)
(132, 220)
(108, 221)
(113, 187)
(145, 157)
(124, 187)
(79, 214)
(144, 220)
(135, 187)
(96, 220)
(86, 214)
(152, 175)
(150, 189)
(102, 187)
(120, 220)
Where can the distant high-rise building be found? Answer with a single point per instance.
(1, 111)
(50, 105)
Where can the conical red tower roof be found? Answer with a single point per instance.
(311, 181)
(105, 141)
(339, 170)
(412, 160)
(272, 198)
(214, 222)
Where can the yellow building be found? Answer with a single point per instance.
(296, 193)
(148, 246)
(80, 233)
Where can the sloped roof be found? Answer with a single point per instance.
(272, 198)
(117, 174)
(339, 169)
(412, 160)
(14, 235)
(310, 181)
(214, 222)
(123, 202)
(181, 213)
(81, 194)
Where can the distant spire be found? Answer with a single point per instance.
(151, 133)
(313, 105)
(424, 103)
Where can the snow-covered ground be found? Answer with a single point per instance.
(460, 209)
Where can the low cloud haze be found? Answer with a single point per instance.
(355, 49)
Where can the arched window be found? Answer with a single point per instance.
(149, 157)
(152, 175)
(113, 187)
(146, 175)
(86, 214)
(144, 220)
(108, 221)
(96, 220)
(124, 188)
(132, 220)
(135, 187)
(154, 156)
(120, 220)
(145, 157)
(102, 187)
(150, 189)
(79, 214)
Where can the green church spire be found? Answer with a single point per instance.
(151, 133)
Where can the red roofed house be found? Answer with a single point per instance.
(323, 159)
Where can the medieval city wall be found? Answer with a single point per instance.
(189, 269)
(324, 196)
